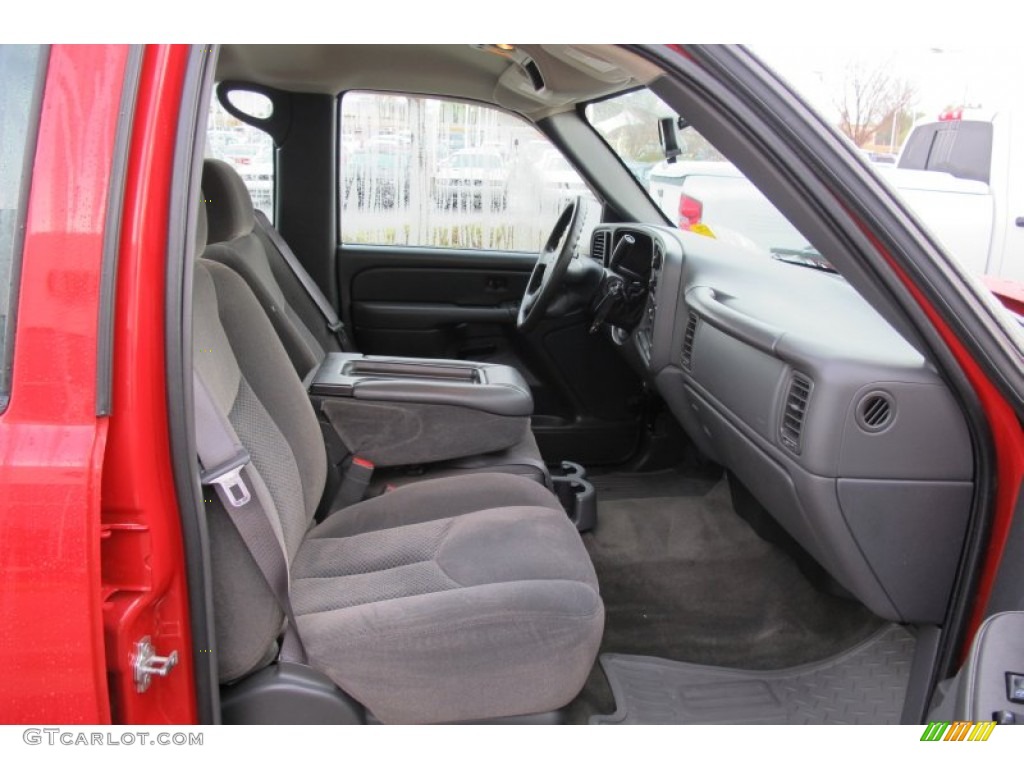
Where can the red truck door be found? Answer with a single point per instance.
(89, 564)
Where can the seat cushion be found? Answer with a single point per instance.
(432, 499)
(440, 602)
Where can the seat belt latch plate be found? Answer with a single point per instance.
(229, 478)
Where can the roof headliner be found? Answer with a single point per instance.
(572, 73)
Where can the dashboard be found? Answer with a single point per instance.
(838, 426)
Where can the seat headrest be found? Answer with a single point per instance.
(228, 204)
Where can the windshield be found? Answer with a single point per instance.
(701, 191)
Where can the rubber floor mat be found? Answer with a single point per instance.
(864, 685)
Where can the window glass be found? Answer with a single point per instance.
(701, 191)
(429, 172)
(962, 148)
(248, 149)
(21, 79)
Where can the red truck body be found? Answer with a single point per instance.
(83, 580)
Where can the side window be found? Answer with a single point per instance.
(21, 82)
(428, 172)
(962, 148)
(248, 149)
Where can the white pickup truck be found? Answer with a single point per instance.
(956, 174)
(963, 176)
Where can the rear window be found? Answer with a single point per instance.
(21, 79)
(962, 148)
(245, 148)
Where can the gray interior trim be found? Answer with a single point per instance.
(915, 704)
(602, 170)
(494, 389)
(400, 433)
(185, 197)
(469, 72)
(998, 649)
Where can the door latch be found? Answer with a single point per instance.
(145, 664)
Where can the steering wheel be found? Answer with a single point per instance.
(551, 266)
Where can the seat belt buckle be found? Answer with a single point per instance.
(341, 334)
(228, 477)
(355, 482)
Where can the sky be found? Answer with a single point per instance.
(945, 75)
(954, 51)
(795, 23)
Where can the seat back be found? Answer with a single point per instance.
(239, 357)
(237, 241)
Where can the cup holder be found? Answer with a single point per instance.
(576, 494)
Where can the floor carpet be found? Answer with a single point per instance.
(684, 578)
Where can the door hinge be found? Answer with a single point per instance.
(145, 664)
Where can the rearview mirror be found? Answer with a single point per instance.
(668, 139)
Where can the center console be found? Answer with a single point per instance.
(408, 412)
(397, 411)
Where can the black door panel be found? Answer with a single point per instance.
(434, 302)
(455, 285)
(416, 316)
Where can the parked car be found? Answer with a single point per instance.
(880, 158)
(472, 178)
(275, 474)
(560, 182)
(379, 176)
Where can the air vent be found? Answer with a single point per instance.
(599, 246)
(691, 332)
(795, 411)
(875, 411)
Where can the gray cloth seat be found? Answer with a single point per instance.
(457, 598)
(452, 599)
(235, 240)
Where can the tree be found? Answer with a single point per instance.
(870, 96)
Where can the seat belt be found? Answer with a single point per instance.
(224, 463)
(355, 481)
(309, 286)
